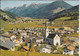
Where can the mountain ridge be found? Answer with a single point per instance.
(41, 10)
(73, 10)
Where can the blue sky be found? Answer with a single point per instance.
(5, 4)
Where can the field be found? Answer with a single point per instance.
(73, 35)
(57, 23)
(7, 26)
(18, 53)
(64, 21)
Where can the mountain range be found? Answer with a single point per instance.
(40, 10)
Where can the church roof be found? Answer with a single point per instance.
(51, 36)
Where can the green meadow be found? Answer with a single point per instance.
(18, 53)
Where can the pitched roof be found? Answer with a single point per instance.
(25, 47)
(19, 39)
(7, 44)
(10, 35)
(66, 41)
(71, 48)
(27, 39)
(51, 36)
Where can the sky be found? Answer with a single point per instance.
(5, 4)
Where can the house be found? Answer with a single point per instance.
(25, 48)
(18, 42)
(76, 51)
(26, 40)
(7, 45)
(65, 27)
(6, 33)
(55, 51)
(70, 30)
(1, 28)
(12, 38)
(37, 40)
(32, 36)
(23, 33)
(67, 42)
(68, 50)
(45, 49)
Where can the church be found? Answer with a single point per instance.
(51, 38)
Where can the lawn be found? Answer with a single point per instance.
(18, 53)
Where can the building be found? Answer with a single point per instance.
(51, 38)
(68, 50)
(76, 51)
(23, 33)
(7, 45)
(25, 48)
(65, 27)
(45, 49)
(12, 38)
(37, 40)
(46, 31)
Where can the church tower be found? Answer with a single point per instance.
(46, 31)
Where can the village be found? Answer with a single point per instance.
(42, 40)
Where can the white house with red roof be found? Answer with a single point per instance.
(12, 38)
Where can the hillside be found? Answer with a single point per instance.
(40, 10)
(18, 53)
(7, 16)
(74, 11)
(65, 21)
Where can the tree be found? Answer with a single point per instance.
(37, 48)
(32, 49)
(60, 50)
(31, 44)
(53, 48)
(26, 44)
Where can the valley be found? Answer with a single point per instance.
(47, 29)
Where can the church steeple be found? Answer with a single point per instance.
(46, 30)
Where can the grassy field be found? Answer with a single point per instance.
(18, 53)
(8, 26)
(73, 35)
(57, 23)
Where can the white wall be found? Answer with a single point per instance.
(45, 50)
(56, 40)
(68, 53)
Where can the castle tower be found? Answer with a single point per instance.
(46, 31)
